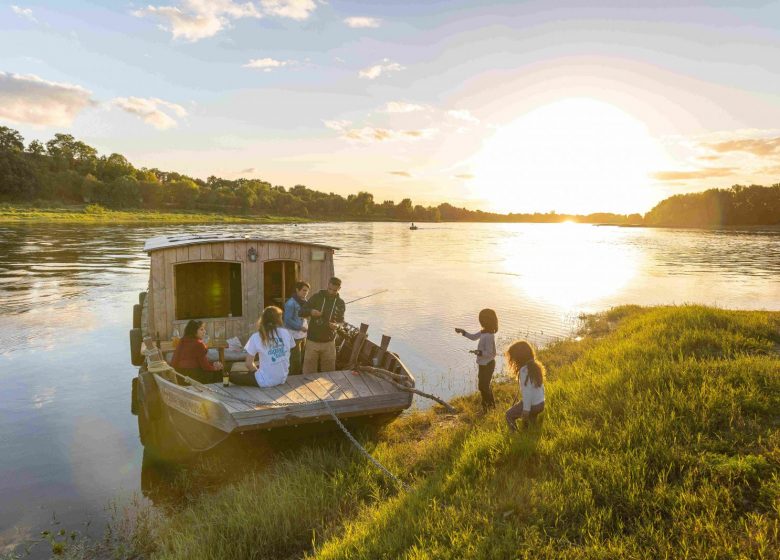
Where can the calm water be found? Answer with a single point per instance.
(69, 443)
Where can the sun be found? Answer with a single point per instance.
(577, 155)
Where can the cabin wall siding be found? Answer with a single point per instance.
(162, 294)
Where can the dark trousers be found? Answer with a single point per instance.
(201, 375)
(516, 412)
(243, 378)
(296, 357)
(484, 376)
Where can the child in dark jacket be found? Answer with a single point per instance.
(486, 354)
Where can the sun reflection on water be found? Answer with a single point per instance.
(570, 266)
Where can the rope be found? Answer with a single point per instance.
(342, 427)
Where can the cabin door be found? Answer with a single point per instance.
(279, 278)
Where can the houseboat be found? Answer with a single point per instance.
(226, 281)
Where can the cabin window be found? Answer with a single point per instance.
(279, 278)
(207, 290)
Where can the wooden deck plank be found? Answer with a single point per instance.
(338, 378)
(345, 378)
(253, 394)
(290, 390)
(318, 388)
(378, 386)
(318, 411)
(333, 391)
(359, 380)
(279, 396)
(298, 384)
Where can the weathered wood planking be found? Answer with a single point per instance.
(162, 295)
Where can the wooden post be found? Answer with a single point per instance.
(357, 344)
(380, 355)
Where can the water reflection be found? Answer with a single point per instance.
(66, 294)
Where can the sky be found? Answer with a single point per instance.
(575, 107)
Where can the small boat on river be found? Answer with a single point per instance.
(226, 281)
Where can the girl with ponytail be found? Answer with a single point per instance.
(521, 359)
(272, 344)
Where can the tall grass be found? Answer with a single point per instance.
(94, 213)
(660, 441)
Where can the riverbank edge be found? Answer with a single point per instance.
(685, 462)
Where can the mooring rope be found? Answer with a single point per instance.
(160, 366)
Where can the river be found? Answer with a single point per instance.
(69, 443)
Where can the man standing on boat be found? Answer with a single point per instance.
(326, 310)
(296, 325)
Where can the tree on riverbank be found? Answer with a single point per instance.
(65, 170)
(739, 205)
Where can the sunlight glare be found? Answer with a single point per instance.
(577, 155)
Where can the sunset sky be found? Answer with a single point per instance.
(504, 106)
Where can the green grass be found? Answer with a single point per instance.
(660, 440)
(96, 214)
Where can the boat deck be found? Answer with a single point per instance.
(300, 399)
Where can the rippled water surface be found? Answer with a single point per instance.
(69, 443)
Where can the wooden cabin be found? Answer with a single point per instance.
(226, 280)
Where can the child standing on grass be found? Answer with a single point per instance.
(486, 354)
(521, 359)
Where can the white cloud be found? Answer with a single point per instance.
(151, 110)
(266, 64)
(293, 9)
(338, 126)
(373, 72)
(32, 100)
(370, 134)
(402, 107)
(362, 22)
(26, 13)
(198, 19)
(463, 115)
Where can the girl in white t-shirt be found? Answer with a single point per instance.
(273, 344)
(521, 359)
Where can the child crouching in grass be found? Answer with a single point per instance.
(521, 359)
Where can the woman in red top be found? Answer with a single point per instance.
(190, 359)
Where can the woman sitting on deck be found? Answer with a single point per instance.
(189, 357)
(273, 343)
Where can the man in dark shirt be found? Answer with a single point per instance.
(326, 312)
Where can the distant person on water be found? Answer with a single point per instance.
(326, 310)
(521, 359)
(272, 343)
(298, 326)
(486, 354)
(190, 355)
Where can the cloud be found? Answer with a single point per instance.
(362, 22)
(400, 173)
(755, 146)
(372, 134)
(402, 107)
(32, 100)
(153, 111)
(464, 176)
(248, 170)
(709, 158)
(771, 170)
(338, 126)
(26, 13)
(463, 115)
(293, 9)
(198, 19)
(373, 72)
(193, 20)
(706, 173)
(266, 64)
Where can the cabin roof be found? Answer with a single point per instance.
(168, 241)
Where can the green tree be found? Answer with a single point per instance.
(11, 140)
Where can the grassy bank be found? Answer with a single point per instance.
(661, 441)
(97, 214)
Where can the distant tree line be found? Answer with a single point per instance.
(65, 170)
(737, 206)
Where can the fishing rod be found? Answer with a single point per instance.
(368, 296)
